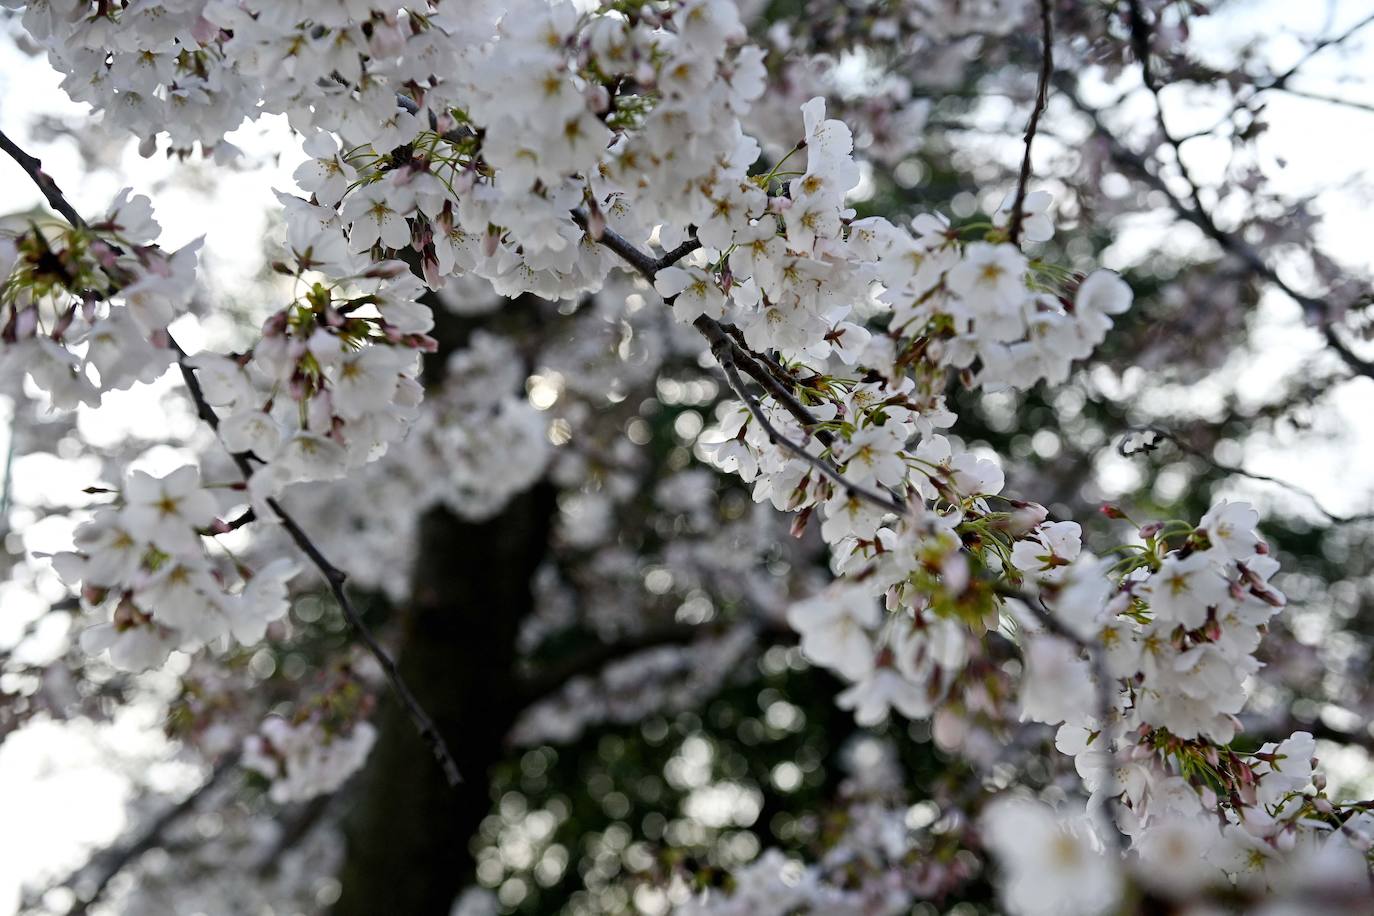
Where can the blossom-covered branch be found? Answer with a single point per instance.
(334, 576)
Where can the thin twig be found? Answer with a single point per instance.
(1281, 81)
(51, 191)
(725, 355)
(1193, 211)
(1124, 449)
(1354, 104)
(334, 576)
(1042, 94)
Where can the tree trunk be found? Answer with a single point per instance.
(408, 834)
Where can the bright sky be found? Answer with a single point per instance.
(67, 785)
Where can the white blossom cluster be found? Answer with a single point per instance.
(144, 564)
(86, 311)
(1055, 861)
(532, 144)
(304, 759)
(479, 441)
(871, 868)
(1176, 635)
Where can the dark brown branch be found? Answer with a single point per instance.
(644, 264)
(726, 353)
(248, 516)
(51, 191)
(334, 576)
(1042, 91)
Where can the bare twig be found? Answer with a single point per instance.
(1041, 100)
(334, 576)
(1126, 450)
(1193, 211)
(1355, 104)
(1317, 309)
(1281, 81)
(51, 191)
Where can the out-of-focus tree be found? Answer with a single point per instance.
(599, 568)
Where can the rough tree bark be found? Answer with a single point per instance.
(408, 833)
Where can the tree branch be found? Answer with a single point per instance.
(336, 579)
(1193, 211)
(725, 351)
(1041, 101)
(51, 191)
(1355, 104)
(334, 576)
(1164, 435)
(1281, 81)
(732, 357)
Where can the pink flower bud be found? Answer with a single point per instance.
(386, 270)
(204, 31)
(1024, 519)
(422, 342)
